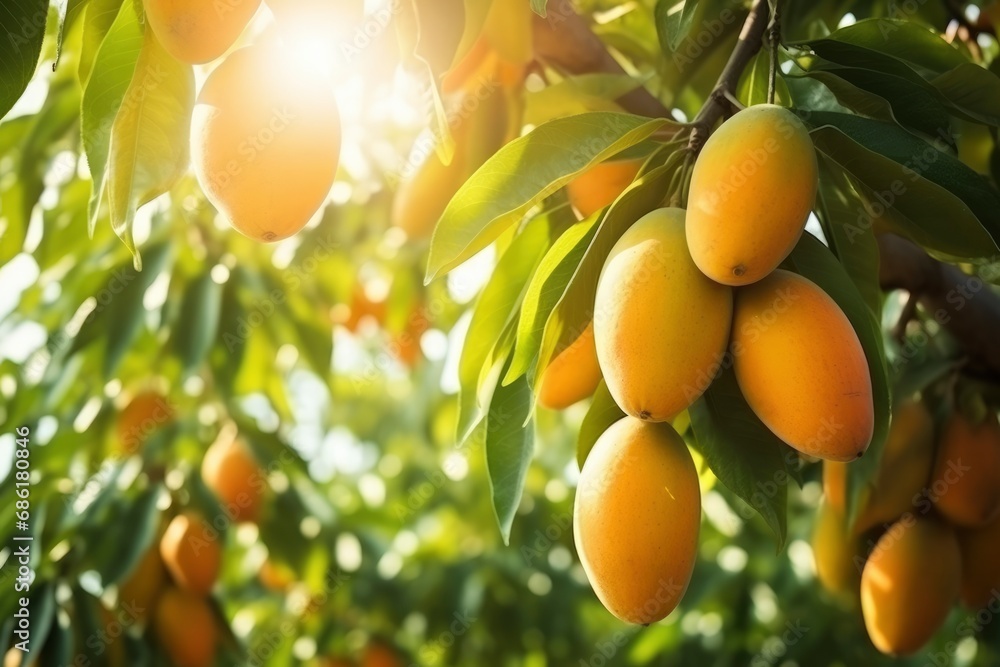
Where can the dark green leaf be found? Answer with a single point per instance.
(198, 323)
(509, 446)
(22, 25)
(136, 530)
(972, 89)
(524, 172)
(603, 412)
(745, 456)
(945, 205)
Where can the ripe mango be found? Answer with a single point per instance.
(834, 552)
(573, 375)
(660, 326)
(966, 480)
(909, 584)
(905, 468)
(195, 31)
(185, 628)
(232, 472)
(801, 367)
(600, 185)
(980, 565)
(636, 519)
(191, 553)
(145, 414)
(144, 584)
(265, 141)
(752, 189)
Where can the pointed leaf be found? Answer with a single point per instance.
(198, 322)
(22, 24)
(149, 137)
(509, 446)
(524, 172)
(603, 412)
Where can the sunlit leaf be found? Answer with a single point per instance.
(509, 446)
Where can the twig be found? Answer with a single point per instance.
(773, 37)
(749, 43)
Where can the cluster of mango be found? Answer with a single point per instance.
(683, 295)
(927, 532)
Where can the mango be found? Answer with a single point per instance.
(660, 326)
(230, 470)
(191, 553)
(636, 519)
(146, 413)
(909, 584)
(966, 480)
(600, 185)
(835, 485)
(185, 628)
(752, 189)
(980, 565)
(834, 552)
(573, 375)
(801, 367)
(265, 141)
(143, 585)
(195, 31)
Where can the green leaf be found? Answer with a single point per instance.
(972, 89)
(136, 530)
(68, 12)
(943, 204)
(853, 244)
(524, 172)
(673, 26)
(22, 24)
(576, 307)
(149, 137)
(124, 314)
(198, 322)
(752, 88)
(538, 6)
(602, 413)
(509, 446)
(812, 259)
(496, 307)
(906, 41)
(545, 289)
(99, 16)
(914, 103)
(102, 97)
(577, 94)
(750, 460)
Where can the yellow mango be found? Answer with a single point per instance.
(265, 141)
(573, 375)
(801, 367)
(966, 481)
(752, 189)
(909, 584)
(600, 185)
(636, 519)
(196, 31)
(834, 552)
(660, 326)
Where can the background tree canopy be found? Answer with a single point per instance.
(350, 416)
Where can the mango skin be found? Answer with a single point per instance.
(600, 185)
(265, 142)
(185, 628)
(191, 553)
(573, 375)
(909, 584)
(661, 327)
(636, 519)
(980, 565)
(195, 31)
(752, 189)
(801, 367)
(966, 480)
(233, 474)
(834, 552)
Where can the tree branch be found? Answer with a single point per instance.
(750, 41)
(964, 305)
(564, 40)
